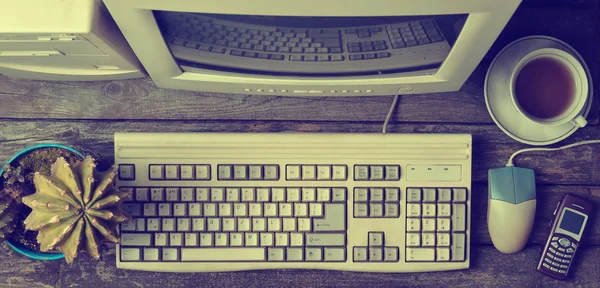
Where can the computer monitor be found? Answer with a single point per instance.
(311, 47)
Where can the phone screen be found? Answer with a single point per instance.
(572, 222)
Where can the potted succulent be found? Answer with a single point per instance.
(75, 208)
(16, 182)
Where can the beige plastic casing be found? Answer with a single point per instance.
(416, 150)
(74, 40)
(486, 20)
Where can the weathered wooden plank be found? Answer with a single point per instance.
(491, 147)
(489, 268)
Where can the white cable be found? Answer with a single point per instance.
(510, 160)
(389, 115)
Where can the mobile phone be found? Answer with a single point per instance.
(570, 217)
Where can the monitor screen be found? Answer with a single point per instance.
(572, 222)
(310, 46)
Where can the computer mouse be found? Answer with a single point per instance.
(511, 207)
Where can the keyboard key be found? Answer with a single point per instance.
(309, 172)
(271, 172)
(170, 254)
(443, 210)
(255, 210)
(413, 210)
(376, 239)
(376, 194)
(270, 209)
(442, 254)
(375, 210)
(308, 194)
(413, 239)
(413, 194)
(458, 247)
(459, 217)
(251, 239)
(428, 224)
(129, 225)
(361, 210)
(153, 224)
(202, 194)
(315, 209)
(334, 254)
(224, 172)
(202, 172)
(233, 194)
(391, 210)
(240, 172)
(248, 194)
(443, 239)
(304, 224)
(420, 254)
(356, 57)
(157, 172)
(221, 239)
(217, 194)
(334, 220)
(142, 194)
(191, 239)
(175, 239)
(281, 239)
(390, 254)
(240, 209)
(375, 254)
(164, 209)
(392, 172)
(337, 57)
(206, 239)
(210, 209)
(429, 210)
(151, 254)
(360, 254)
(285, 210)
(171, 172)
(323, 172)
(198, 224)
(255, 172)
(134, 209)
(135, 239)
(259, 224)
(313, 254)
(275, 254)
(213, 224)
(217, 254)
(460, 195)
(266, 239)
(339, 172)
(243, 224)
(293, 172)
(168, 224)
(179, 209)
(361, 172)
(413, 224)
(380, 55)
(295, 254)
(225, 210)
(444, 194)
(187, 194)
(172, 194)
(323, 194)
(443, 224)
(361, 194)
(126, 172)
(429, 195)
(130, 254)
(338, 194)
(289, 224)
(392, 195)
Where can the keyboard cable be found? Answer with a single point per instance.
(389, 115)
(512, 157)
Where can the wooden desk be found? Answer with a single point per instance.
(87, 114)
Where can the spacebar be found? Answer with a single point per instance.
(222, 254)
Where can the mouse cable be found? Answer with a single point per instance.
(389, 115)
(510, 160)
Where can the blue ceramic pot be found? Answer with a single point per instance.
(17, 247)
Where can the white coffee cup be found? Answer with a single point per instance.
(574, 112)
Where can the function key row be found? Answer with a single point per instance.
(179, 172)
(237, 194)
(376, 172)
(415, 195)
(248, 172)
(317, 172)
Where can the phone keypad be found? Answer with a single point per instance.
(559, 255)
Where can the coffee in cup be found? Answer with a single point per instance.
(549, 87)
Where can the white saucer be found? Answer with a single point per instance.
(500, 105)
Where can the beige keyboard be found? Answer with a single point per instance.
(359, 202)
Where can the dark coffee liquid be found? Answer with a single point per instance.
(545, 88)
